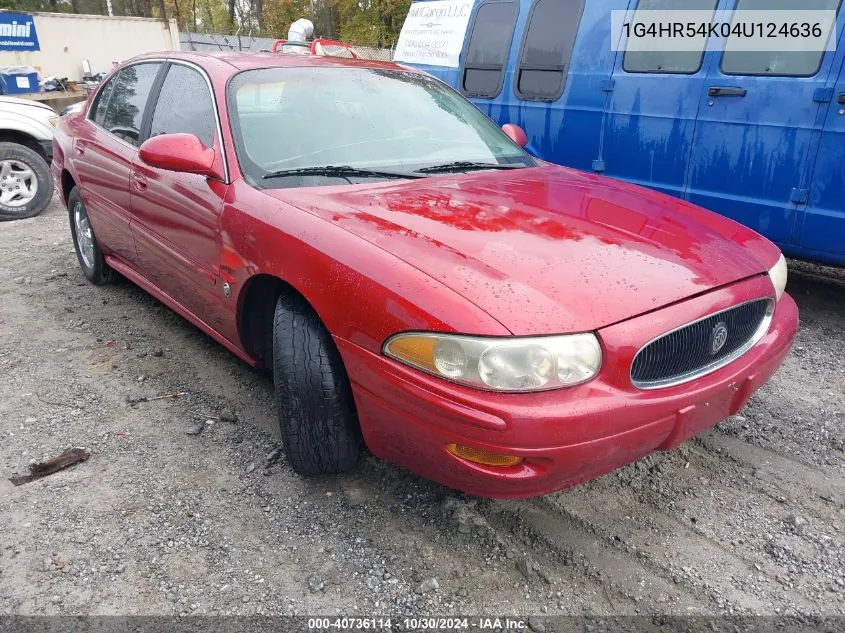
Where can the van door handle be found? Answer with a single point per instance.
(726, 91)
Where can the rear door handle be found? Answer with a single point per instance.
(726, 91)
(78, 148)
(139, 182)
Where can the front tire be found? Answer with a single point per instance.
(313, 397)
(88, 251)
(25, 183)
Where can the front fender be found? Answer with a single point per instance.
(361, 292)
(17, 122)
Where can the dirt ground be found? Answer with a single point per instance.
(746, 519)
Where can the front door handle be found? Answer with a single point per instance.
(841, 99)
(726, 91)
(139, 182)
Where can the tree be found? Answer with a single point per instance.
(371, 22)
(362, 22)
(279, 14)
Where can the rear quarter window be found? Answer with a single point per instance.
(98, 109)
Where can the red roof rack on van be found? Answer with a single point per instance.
(319, 46)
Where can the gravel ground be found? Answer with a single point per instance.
(746, 519)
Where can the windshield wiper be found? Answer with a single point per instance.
(342, 171)
(466, 165)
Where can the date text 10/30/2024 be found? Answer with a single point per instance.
(415, 624)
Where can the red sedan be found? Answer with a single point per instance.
(417, 282)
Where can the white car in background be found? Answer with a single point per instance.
(26, 149)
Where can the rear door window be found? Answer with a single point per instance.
(129, 97)
(487, 52)
(547, 49)
(673, 62)
(99, 107)
(184, 105)
(776, 63)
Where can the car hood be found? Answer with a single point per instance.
(15, 101)
(546, 250)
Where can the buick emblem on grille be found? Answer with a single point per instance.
(718, 337)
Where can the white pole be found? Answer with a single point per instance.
(111, 11)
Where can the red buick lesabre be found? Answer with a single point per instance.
(416, 281)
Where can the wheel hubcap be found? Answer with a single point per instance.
(84, 235)
(18, 184)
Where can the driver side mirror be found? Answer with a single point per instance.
(515, 133)
(178, 152)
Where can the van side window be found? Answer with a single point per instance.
(673, 62)
(783, 63)
(547, 49)
(487, 51)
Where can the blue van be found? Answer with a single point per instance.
(758, 137)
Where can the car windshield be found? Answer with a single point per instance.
(314, 126)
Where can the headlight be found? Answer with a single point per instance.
(777, 274)
(500, 364)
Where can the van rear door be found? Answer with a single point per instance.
(758, 115)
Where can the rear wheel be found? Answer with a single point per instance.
(88, 252)
(313, 397)
(25, 183)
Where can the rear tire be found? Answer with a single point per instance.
(88, 251)
(26, 186)
(313, 397)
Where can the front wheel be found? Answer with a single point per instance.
(25, 183)
(313, 397)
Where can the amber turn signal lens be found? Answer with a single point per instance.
(480, 456)
(416, 350)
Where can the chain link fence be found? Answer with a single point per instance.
(362, 52)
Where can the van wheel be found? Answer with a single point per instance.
(25, 183)
(88, 252)
(313, 397)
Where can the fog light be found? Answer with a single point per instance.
(480, 456)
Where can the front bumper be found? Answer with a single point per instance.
(566, 436)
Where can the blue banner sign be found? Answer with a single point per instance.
(17, 32)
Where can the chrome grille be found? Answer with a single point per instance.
(702, 346)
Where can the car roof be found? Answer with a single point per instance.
(248, 61)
